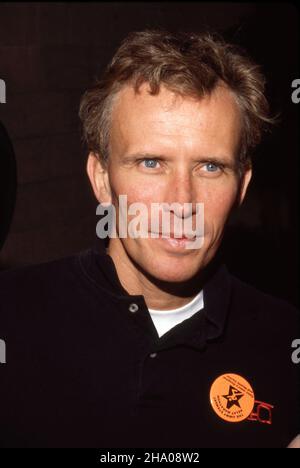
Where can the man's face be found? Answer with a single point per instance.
(191, 147)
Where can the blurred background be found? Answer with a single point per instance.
(51, 52)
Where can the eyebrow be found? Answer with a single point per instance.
(221, 160)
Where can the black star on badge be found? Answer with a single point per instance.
(233, 397)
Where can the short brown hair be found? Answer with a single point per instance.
(189, 64)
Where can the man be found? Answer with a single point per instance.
(152, 343)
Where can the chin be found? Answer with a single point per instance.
(173, 277)
(168, 264)
(172, 269)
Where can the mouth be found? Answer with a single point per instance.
(172, 236)
(171, 243)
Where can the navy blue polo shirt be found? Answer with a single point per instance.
(85, 366)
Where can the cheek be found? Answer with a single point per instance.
(218, 203)
(136, 192)
(143, 191)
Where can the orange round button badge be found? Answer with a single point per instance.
(232, 398)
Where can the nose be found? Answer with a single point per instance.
(180, 191)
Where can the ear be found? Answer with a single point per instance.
(98, 175)
(244, 183)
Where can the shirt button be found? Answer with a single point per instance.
(133, 308)
(153, 355)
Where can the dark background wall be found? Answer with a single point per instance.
(49, 54)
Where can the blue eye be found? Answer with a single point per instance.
(211, 167)
(150, 163)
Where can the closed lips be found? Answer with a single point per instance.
(172, 235)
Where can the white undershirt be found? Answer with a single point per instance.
(164, 320)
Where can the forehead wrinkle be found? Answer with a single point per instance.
(176, 125)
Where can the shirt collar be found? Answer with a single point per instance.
(197, 331)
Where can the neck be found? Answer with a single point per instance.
(158, 294)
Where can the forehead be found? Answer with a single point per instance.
(169, 119)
